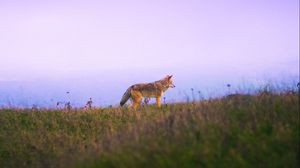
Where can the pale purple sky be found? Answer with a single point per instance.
(136, 40)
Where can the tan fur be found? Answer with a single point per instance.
(155, 89)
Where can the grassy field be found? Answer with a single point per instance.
(260, 130)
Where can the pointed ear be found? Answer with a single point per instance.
(169, 76)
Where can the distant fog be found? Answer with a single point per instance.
(107, 89)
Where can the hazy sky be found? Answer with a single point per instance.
(138, 40)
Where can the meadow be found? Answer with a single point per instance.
(239, 130)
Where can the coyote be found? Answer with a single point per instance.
(147, 90)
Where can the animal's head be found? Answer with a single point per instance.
(169, 81)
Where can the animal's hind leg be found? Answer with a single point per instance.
(136, 102)
(136, 99)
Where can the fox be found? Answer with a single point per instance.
(147, 90)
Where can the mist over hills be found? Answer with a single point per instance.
(107, 88)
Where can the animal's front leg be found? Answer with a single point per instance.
(158, 101)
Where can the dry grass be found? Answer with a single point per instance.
(260, 130)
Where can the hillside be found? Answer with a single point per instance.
(260, 130)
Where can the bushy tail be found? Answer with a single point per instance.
(126, 96)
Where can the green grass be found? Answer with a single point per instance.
(259, 130)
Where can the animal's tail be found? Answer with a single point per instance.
(126, 96)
